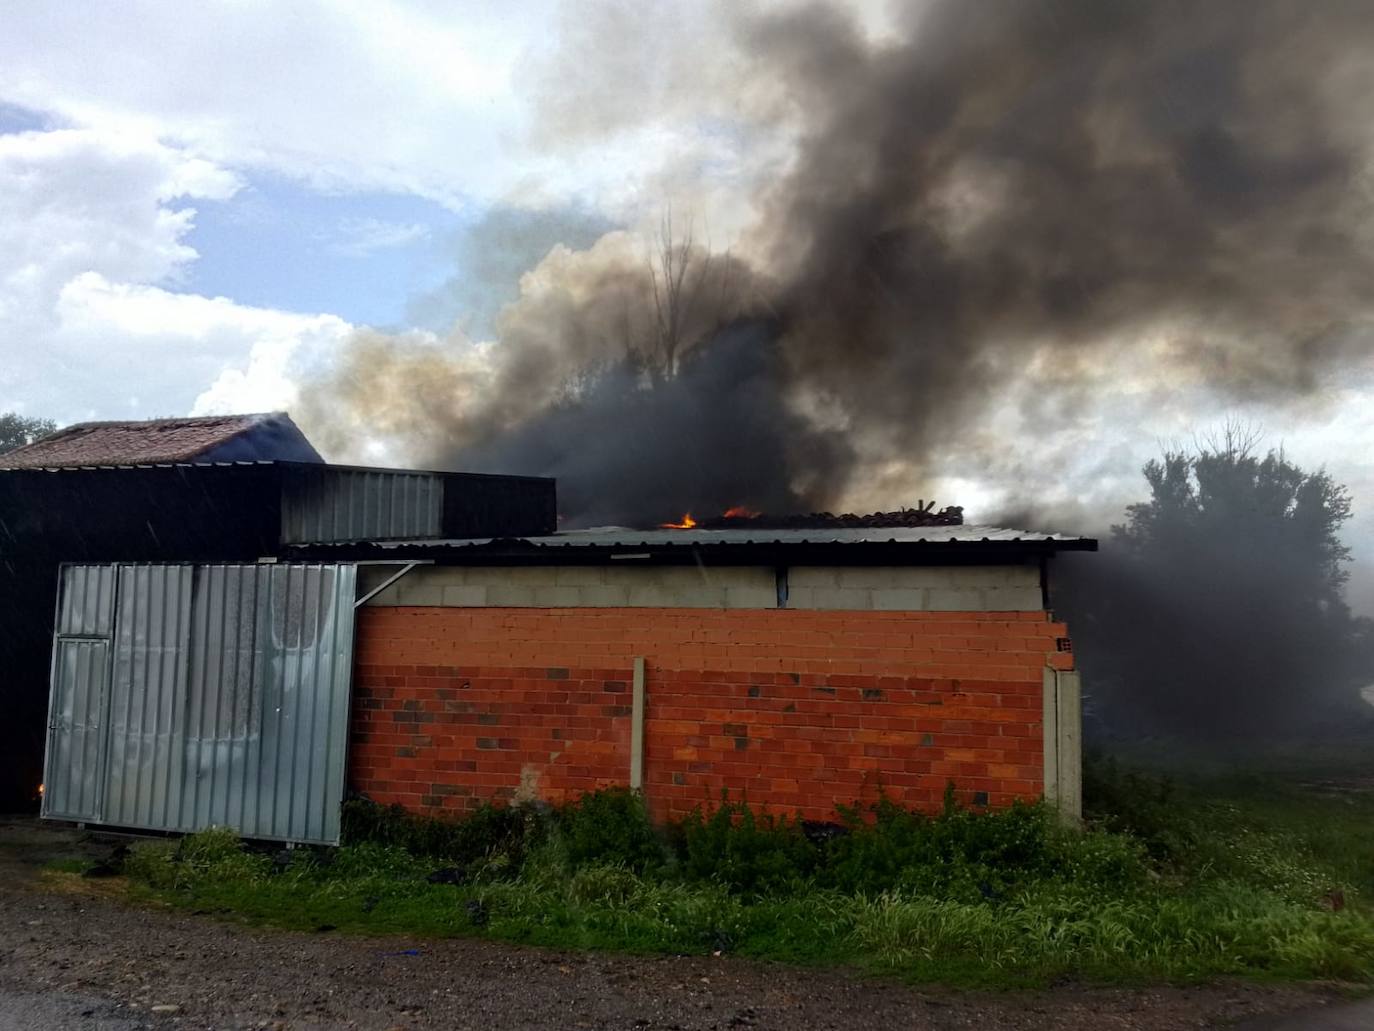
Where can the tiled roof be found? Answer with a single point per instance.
(132, 443)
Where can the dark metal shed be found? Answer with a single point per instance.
(223, 512)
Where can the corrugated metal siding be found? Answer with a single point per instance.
(326, 504)
(147, 696)
(224, 700)
(86, 607)
(72, 777)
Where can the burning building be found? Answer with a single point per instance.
(796, 667)
(431, 640)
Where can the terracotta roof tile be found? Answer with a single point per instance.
(131, 443)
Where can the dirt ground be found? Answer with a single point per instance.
(74, 954)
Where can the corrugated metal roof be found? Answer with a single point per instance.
(621, 537)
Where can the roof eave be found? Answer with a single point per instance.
(519, 551)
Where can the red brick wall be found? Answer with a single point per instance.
(798, 710)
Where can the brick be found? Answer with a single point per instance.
(835, 702)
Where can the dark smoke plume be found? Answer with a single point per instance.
(715, 432)
(1040, 196)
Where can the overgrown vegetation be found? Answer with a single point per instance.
(1248, 878)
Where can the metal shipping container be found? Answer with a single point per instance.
(189, 696)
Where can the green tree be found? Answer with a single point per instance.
(17, 430)
(1218, 607)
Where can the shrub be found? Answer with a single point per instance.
(215, 854)
(610, 827)
(497, 837)
(756, 854)
(1144, 806)
(872, 855)
(607, 885)
(1006, 897)
(959, 854)
(1098, 860)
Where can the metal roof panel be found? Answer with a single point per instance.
(622, 537)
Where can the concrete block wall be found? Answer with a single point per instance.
(797, 709)
(590, 586)
(877, 588)
(916, 588)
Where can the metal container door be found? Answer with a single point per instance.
(76, 732)
(148, 696)
(78, 700)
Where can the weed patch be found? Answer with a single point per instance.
(1166, 881)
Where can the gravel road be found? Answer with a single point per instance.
(73, 954)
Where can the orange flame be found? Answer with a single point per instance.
(687, 523)
(741, 512)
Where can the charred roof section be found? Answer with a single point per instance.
(923, 514)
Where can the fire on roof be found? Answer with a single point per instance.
(742, 518)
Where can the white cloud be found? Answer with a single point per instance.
(359, 237)
(280, 355)
(524, 103)
(345, 95)
(171, 345)
(92, 239)
(73, 201)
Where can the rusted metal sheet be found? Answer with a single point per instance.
(208, 695)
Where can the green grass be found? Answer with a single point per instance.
(67, 865)
(1221, 877)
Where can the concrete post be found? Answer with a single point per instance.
(1063, 740)
(1050, 730)
(1070, 746)
(637, 729)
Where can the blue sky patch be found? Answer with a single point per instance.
(362, 256)
(14, 118)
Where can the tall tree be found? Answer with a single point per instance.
(693, 298)
(17, 430)
(1218, 608)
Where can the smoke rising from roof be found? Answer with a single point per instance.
(1006, 201)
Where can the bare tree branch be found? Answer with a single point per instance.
(690, 288)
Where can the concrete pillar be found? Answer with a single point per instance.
(1063, 730)
(1050, 728)
(637, 729)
